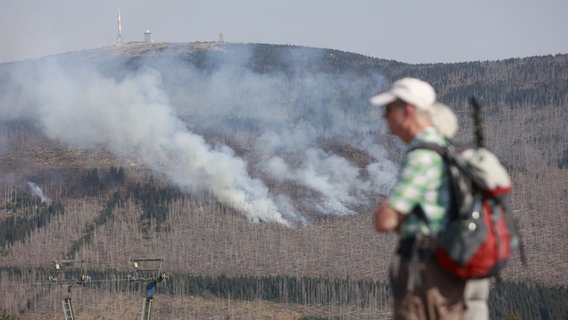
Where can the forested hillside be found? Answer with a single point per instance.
(249, 171)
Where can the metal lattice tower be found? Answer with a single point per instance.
(149, 271)
(147, 309)
(68, 309)
(62, 278)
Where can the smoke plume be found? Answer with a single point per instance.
(35, 190)
(238, 131)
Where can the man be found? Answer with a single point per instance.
(422, 290)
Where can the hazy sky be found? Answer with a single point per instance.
(420, 31)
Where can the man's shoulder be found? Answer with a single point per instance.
(426, 149)
(428, 136)
(430, 143)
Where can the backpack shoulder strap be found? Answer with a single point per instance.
(451, 156)
(442, 151)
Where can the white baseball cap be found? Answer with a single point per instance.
(410, 90)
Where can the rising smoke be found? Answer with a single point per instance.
(231, 128)
(35, 190)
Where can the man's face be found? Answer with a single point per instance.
(395, 115)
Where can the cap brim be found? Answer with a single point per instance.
(382, 99)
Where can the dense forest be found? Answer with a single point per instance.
(507, 301)
(249, 172)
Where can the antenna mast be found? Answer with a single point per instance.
(119, 34)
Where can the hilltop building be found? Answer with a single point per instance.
(148, 36)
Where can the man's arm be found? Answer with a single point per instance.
(387, 219)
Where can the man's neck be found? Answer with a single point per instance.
(416, 129)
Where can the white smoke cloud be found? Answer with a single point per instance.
(35, 190)
(161, 118)
(133, 117)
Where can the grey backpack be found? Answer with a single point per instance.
(477, 239)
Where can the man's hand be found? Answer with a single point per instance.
(386, 218)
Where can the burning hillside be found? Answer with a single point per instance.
(253, 133)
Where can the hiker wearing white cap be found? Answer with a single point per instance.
(421, 289)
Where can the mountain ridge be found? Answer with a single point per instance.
(261, 109)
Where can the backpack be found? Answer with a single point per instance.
(479, 233)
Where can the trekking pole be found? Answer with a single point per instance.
(477, 122)
(480, 142)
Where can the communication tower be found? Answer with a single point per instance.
(119, 34)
